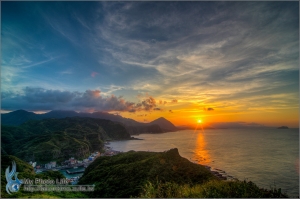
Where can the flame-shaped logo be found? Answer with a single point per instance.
(12, 185)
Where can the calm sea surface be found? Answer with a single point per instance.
(268, 157)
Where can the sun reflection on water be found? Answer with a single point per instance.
(201, 154)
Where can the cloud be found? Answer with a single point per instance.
(228, 51)
(224, 53)
(39, 95)
(157, 109)
(170, 111)
(142, 115)
(174, 101)
(66, 72)
(147, 104)
(208, 109)
(40, 63)
(90, 100)
(93, 74)
(139, 64)
(162, 102)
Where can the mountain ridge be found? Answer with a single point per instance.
(60, 138)
(159, 125)
(167, 125)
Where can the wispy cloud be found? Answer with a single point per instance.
(138, 64)
(39, 63)
(203, 54)
(223, 52)
(66, 72)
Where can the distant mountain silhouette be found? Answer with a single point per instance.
(18, 117)
(157, 126)
(60, 114)
(164, 124)
(283, 127)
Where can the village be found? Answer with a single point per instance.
(72, 165)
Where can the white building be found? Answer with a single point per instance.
(53, 164)
(48, 166)
(33, 164)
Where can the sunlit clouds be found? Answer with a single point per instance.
(225, 61)
(91, 100)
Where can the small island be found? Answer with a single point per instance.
(283, 127)
(133, 138)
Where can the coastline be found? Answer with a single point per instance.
(236, 169)
(134, 138)
(220, 174)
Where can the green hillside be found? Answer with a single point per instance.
(133, 127)
(125, 174)
(131, 174)
(59, 139)
(143, 175)
(162, 175)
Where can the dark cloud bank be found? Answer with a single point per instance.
(91, 100)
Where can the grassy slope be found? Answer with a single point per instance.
(141, 174)
(210, 189)
(163, 174)
(124, 175)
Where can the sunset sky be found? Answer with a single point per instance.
(219, 62)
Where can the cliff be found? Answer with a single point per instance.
(59, 139)
(162, 175)
(125, 174)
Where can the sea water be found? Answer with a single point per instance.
(268, 157)
(64, 172)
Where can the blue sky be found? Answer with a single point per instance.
(168, 57)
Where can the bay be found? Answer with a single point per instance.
(268, 157)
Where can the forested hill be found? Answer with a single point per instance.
(59, 139)
(124, 175)
(133, 127)
(163, 175)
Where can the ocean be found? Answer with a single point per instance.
(64, 172)
(267, 157)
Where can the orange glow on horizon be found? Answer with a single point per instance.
(190, 116)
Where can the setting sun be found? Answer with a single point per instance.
(199, 121)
